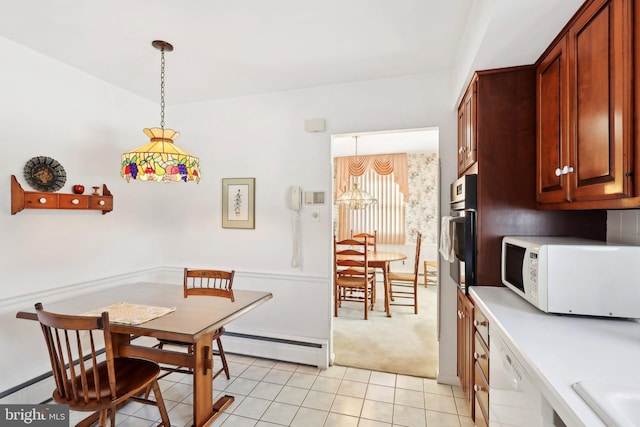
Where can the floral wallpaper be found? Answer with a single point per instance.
(421, 214)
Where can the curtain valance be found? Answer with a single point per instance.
(383, 164)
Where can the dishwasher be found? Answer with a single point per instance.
(514, 400)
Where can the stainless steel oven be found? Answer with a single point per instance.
(464, 219)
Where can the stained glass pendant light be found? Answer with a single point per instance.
(356, 198)
(160, 160)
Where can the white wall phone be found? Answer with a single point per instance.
(294, 198)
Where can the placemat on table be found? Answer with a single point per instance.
(131, 314)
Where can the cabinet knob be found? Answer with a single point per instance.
(565, 170)
(477, 388)
(101, 202)
(477, 323)
(75, 201)
(477, 356)
(43, 200)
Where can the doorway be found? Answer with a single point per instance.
(404, 343)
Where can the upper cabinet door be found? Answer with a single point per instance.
(585, 111)
(601, 93)
(467, 119)
(552, 134)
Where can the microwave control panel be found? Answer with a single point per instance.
(533, 275)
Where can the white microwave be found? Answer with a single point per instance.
(569, 275)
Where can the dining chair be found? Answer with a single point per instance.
(405, 285)
(430, 272)
(86, 384)
(372, 239)
(215, 283)
(354, 280)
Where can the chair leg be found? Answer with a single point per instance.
(102, 418)
(225, 367)
(415, 296)
(161, 406)
(366, 302)
(425, 274)
(373, 288)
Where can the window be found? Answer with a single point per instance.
(385, 178)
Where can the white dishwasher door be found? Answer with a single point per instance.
(514, 400)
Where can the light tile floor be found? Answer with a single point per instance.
(273, 393)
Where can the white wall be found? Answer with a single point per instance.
(623, 226)
(50, 109)
(265, 138)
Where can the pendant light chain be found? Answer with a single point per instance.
(356, 138)
(162, 88)
(355, 178)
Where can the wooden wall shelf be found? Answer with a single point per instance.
(21, 199)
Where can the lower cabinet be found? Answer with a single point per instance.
(473, 358)
(481, 368)
(465, 347)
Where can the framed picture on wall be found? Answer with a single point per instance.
(238, 202)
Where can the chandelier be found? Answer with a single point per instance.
(356, 198)
(160, 160)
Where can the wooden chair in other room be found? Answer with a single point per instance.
(354, 280)
(215, 283)
(430, 272)
(372, 239)
(85, 384)
(405, 285)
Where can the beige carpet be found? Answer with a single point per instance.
(404, 344)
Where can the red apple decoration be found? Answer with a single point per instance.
(78, 189)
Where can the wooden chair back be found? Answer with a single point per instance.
(87, 381)
(354, 280)
(351, 258)
(416, 265)
(217, 283)
(372, 239)
(75, 338)
(405, 285)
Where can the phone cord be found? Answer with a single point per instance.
(295, 260)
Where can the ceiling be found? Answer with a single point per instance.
(410, 141)
(229, 48)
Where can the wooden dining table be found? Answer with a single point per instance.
(194, 321)
(382, 260)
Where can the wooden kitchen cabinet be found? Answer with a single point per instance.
(585, 111)
(481, 385)
(467, 119)
(505, 140)
(473, 357)
(504, 108)
(465, 347)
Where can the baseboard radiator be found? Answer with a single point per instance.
(306, 351)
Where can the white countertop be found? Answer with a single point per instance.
(558, 351)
